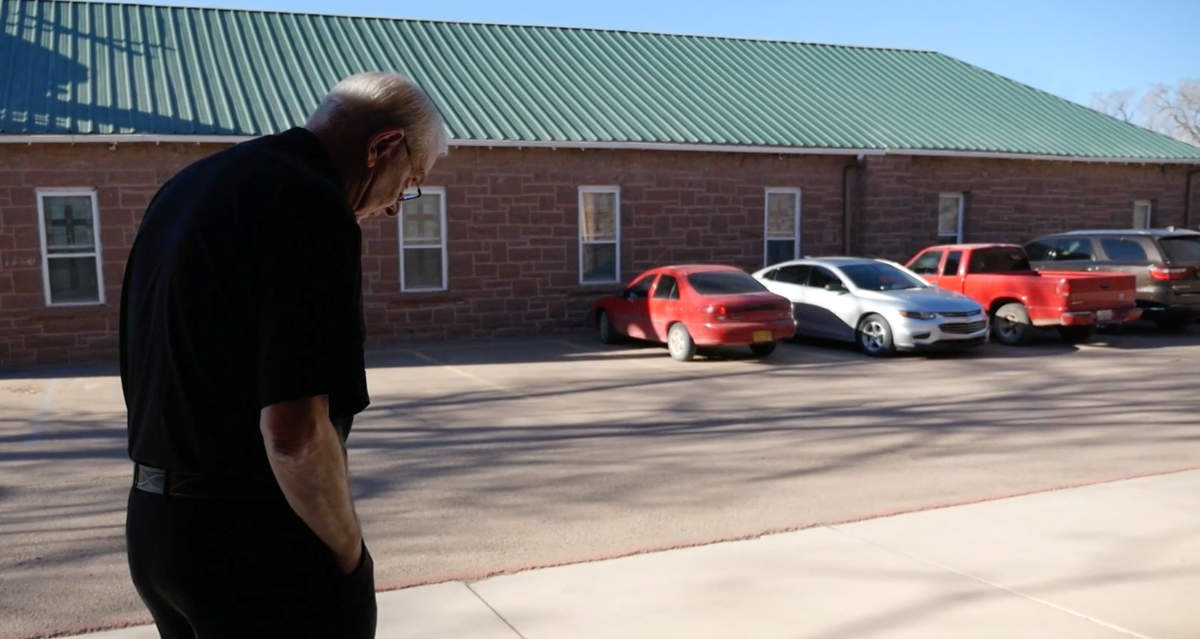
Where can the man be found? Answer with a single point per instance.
(242, 367)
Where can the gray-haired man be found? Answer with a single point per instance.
(242, 366)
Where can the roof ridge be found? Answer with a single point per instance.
(504, 24)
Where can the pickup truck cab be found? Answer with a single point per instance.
(999, 277)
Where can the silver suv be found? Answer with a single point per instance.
(1166, 263)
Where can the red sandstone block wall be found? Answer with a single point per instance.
(512, 219)
(1009, 200)
(125, 178)
(512, 237)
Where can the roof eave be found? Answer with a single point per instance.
(144, 138)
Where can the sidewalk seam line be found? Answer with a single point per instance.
(494, 611)
(986, 582)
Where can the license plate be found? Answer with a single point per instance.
(1104, 315)
(762, 336)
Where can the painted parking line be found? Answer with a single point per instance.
(464, 373)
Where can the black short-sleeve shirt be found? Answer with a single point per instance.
(243, 289)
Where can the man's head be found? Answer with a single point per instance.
(383, 133)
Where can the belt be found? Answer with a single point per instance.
(180, 484)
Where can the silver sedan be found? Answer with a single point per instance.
(881, 305)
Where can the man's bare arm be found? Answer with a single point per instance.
(308, 459)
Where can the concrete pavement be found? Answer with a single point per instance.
(1118, 559)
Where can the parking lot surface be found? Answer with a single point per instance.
(485, 457)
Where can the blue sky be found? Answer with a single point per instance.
(1071, 48)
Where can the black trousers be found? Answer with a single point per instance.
(224, 568)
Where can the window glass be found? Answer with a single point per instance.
(72, 256)
(952, 260)
(949, 212)
(1141, 214)
(820, 277)
(423, 242)
(794, 274)
(724, 283)
(998, 260)
(927, 264)
(668, 288)
(782, 226)
(1072, 248)
(68, 223)
(599, 217)
(641, 288)
(599, 231)
(780, 251)
(1182, 249)
(1040, 251)
(881, 277)
(1123, 250)
(599, 262)
(73, 280)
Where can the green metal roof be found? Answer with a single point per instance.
(102, 68)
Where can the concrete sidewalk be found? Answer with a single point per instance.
(1120, 559)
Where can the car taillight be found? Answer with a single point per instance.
(716, 310)
(1064, 287)
(1162, 272)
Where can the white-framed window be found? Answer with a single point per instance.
(1142, 214)
(423, 241)
(69, 228)
(781, 225)
(950, 216)
(599, 234)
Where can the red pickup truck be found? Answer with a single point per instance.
(999, 277)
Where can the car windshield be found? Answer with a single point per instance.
(724, 283)
(881, 277)
(999, 260)
(1182, 249)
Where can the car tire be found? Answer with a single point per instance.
(1010, 324)
(1076, 334)
(875, 336)
(762, 350)
(679, 343)
(605, 330)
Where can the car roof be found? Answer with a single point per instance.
(688, 269)
(829, 261)
(1167, 232)
(944, 247)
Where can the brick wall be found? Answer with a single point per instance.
(1008, 200)
(512, 237)
(512, 217)
(125, 178)
(513, 231)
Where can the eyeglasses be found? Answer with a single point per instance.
(404, 197)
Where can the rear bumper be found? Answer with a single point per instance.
(740, 333)
(1101, 317)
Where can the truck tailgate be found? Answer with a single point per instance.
(1096, 291)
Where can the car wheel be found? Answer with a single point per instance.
(1076, 334)
(875, 336)
(1010, 324)
(605, 330)
(679, 343)
(762, 350)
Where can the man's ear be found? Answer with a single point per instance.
(384, 145)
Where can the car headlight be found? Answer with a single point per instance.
(918, 315)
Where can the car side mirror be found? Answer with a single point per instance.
(836, 288)
(626, 294)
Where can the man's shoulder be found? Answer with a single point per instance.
(264, 174)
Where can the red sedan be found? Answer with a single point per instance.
(696, 305)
